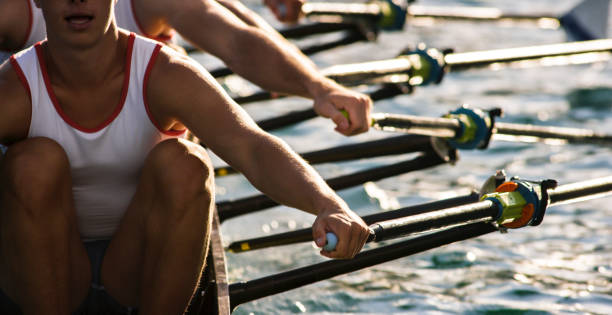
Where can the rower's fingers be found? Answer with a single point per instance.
(327, 108)
(343, 248)
(293, 10)
(359, 235)
(359, 112)
(318, 233)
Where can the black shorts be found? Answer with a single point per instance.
(97, 302)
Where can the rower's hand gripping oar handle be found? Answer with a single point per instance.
(519, 203)
(331, 240)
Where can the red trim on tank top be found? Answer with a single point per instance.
(25, 41)
(58, 108)
(144, 95)
(21, 75)
(162, 38)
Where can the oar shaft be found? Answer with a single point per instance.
(243, 292)
(483, 210)
(304, 30)
(369, 10)
(471, 13)
(255, 97)
(455, 127)
(437, 127)
(573, 135)
(357, 73)
(305, 235)
(388, 146)
(458, 61)
(373, 10)
(581, 190)
(480, 211)
(351, 36)
(230, 209)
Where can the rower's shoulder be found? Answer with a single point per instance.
(176, 78)
(173, 58)
(176, 68)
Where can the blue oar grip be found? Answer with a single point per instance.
(331, 242)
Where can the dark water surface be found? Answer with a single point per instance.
(563, 266)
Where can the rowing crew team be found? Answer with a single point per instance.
(103, 204)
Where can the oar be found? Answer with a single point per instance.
(468, 128)
(305, 235)
(588, 20)
(383, 147)
(425, 66)
(585, 21)
(243, 292)
(230, 209)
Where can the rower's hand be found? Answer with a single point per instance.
(288, 11)
(333, 101)
(350, 229)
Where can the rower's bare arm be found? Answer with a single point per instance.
(182, 92)
(15, 108)
(267, 59)
(215, 29)
(13, 24)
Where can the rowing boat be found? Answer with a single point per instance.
(212, 296)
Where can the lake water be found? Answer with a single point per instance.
(563, 266)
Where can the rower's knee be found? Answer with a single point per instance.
(34, 170)
(183, 173)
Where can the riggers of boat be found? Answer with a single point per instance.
(502, 204)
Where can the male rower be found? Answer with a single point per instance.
(224, 28)
(102, 204)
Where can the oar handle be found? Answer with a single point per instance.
(331, 240)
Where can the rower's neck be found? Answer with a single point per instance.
(86, 66)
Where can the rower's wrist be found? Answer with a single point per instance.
(331, 206)
(321, 86)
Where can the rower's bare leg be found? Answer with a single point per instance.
(43, 264)
(157, 255)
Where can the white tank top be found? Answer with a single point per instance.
(105, 161)
(124, 16)
(37, 30)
